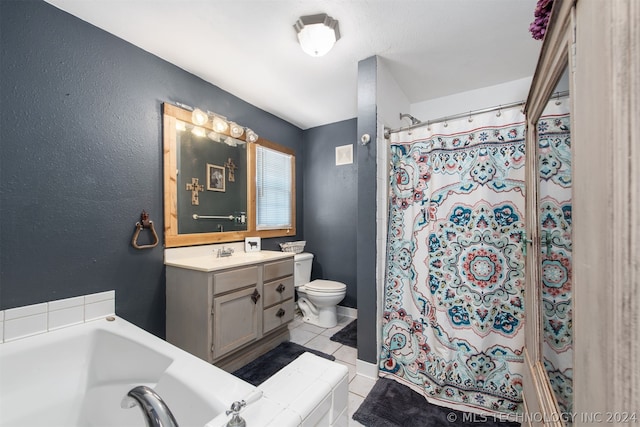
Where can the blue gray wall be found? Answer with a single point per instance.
(366, 213)
(81, 157)
(331, 205)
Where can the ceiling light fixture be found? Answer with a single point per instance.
(317, 33)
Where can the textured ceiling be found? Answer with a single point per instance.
(433, 48)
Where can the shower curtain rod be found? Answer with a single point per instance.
(388, 132)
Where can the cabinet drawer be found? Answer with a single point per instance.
(235, 279)
(273, 270)
(277, 315)
(277, 291)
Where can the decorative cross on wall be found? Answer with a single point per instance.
(232, 168)
(194, 187)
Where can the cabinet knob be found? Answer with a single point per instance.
(280, 312)
(280, 288)
(255, 297)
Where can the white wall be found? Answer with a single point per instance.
(390, 98)
(477, 99)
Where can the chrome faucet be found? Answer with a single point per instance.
(236, 420)
(224, 252)
(156, 412)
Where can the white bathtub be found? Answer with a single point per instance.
(64, 363)
(78, 376)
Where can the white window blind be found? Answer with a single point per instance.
(273, 187)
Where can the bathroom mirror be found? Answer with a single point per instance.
(209, 183)
(548, 352)
(554, 221)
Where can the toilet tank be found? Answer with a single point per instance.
(302, 270)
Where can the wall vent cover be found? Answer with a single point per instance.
(344, 155)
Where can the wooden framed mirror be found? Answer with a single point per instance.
(548, 385)
(210, 183)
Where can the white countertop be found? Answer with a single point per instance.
(206, 259)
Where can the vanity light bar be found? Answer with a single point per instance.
(218, 124)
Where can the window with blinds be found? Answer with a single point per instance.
(273, 189)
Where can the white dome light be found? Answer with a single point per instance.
(317, 33)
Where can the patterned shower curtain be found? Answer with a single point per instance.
(554, 141)
(453, 303)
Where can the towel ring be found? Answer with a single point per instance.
(144, 223)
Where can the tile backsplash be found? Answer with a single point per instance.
(22, 322)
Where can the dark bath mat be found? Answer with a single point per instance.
(259, 370)
(347, 335)
(391, 404)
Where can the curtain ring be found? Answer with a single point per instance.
(470, 119)
(499, 113)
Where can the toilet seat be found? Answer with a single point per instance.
(325, 286)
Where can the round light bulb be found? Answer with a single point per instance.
(198, 131)
(219, 124)
(199, 117)
(251, 136)
(235, 129)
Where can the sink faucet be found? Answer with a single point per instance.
(156, 412)
(224, 252)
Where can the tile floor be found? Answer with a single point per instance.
(317, 338)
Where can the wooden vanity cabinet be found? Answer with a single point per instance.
(228, 317)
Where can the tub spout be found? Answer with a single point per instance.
(156, 412)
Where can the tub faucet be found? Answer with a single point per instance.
(156, 412)
(236, 420)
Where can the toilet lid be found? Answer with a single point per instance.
(325, 286)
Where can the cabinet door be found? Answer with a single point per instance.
(235, 320)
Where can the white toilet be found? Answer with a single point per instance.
(318, 299)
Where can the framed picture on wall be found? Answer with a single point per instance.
(215, 178)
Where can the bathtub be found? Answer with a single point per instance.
(71, 362)
(78, 376)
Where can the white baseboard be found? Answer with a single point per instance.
(347, 311)
(363, 368)
(366, 369)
